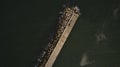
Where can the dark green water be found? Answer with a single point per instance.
(27, 26)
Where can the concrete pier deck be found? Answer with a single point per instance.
(62, 40)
